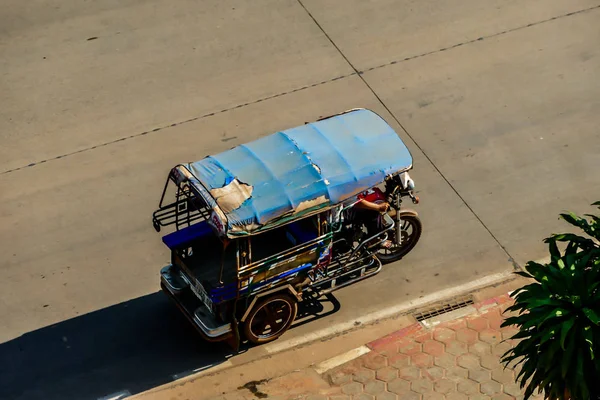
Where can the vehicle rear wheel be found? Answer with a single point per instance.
(270, 318)
(411, 233)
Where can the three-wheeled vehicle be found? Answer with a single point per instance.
(259, 225)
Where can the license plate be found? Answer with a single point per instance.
(201, 293)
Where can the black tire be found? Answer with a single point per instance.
(409, 242)
(258, 326)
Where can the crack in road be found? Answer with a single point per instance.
(355, 73)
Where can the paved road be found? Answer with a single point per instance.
(498, 101)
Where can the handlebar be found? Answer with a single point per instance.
(415, 199)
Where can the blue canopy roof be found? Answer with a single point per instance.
(300, 170)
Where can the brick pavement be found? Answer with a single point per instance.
(458, 359)
(455, 360)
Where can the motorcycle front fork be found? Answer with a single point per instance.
(398, 221)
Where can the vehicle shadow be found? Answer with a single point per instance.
(315, 307)
(129, 347)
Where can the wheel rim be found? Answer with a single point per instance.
(271, 319)
(408, 233)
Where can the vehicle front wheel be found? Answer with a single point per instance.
(411, 233)
(270, 318)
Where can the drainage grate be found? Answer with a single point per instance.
(443, 308)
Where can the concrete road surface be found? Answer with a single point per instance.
(498, 101)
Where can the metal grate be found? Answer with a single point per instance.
(443, 308)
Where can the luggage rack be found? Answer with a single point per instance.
(186, 210)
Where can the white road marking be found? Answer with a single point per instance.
(341, 359)
(203, 370)
(488, 280)
(116, 396)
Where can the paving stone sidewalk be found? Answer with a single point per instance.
(458, 359)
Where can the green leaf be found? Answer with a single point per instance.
(582, 242)
(593, 287)
(589, 340)
(581, 223)
(566, 326)
(519, 290)
(566, 363)
(524, 347)
(550, 378)
(550, 333)
(534, 290)
(556, 350)
(594, 218)
(571, 218)
(510, 321)
(592, 315)
(571, 248)
(527, 370)
(570, 260)
(545, 302)
(523, 274)
(594, 270)
(535, 321)
(557, 313)
(534, 384)
(517, 307)
(549, 353)
(554, 252)
(509, 357)
(580, 382)
(512, 358)
(536, 269)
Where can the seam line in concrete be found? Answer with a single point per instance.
(359, 73)
(478, 39)
(516, 266)
(33, 164)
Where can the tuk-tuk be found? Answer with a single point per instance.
(260, 225)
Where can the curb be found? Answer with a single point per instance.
(488, 288)
(428, 324)
(476, 309)
(394, 311)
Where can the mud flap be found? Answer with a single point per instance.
(234, 339)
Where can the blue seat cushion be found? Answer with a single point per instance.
(300, 233)
(185, 236)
